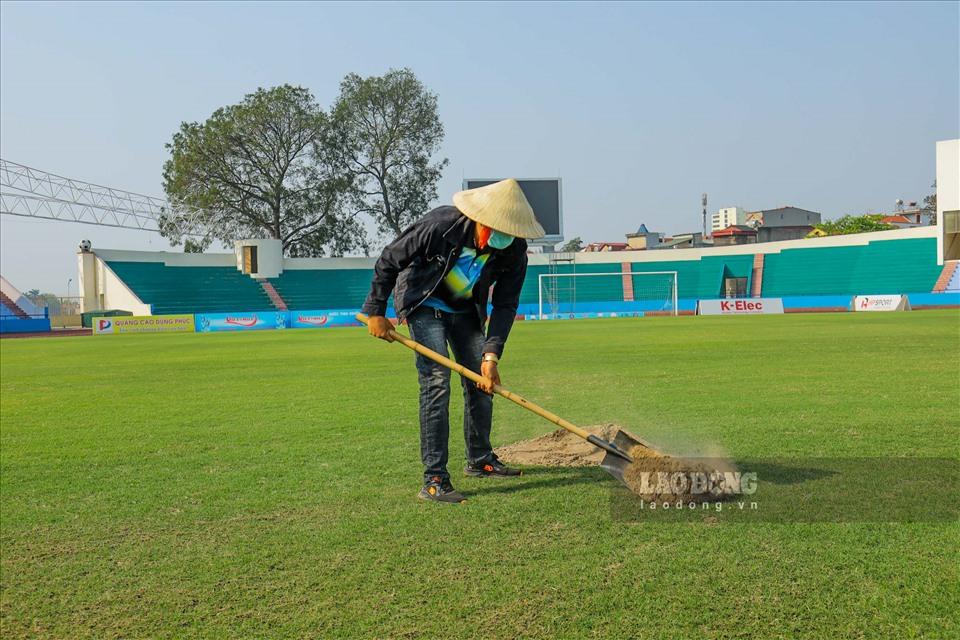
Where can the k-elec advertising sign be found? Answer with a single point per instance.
(881, 303)
(739, 306)
(143, 324)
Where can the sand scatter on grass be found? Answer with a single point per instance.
(561, 448)
(643, 477)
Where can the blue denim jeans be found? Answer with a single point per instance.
(436, 329)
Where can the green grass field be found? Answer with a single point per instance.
(263, 485)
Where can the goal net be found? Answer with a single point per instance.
(592, 295)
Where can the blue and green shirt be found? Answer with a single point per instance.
(455, 293)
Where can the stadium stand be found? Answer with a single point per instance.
(273, 294)
(9, 308)
(695, 278)
(323, 288)
(18, 315)
(903, 266)
(703, 278)
(949, 279)
(816, 274)
(756, 276)
(592, 290)
(191, 289)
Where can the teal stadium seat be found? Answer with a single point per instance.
(885, 266)
(587, 289)
(695, 279)
(880, 267)
(306, 289)
(192, 289)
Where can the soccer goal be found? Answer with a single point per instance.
(609, 294)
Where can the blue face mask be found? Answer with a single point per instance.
(499, 240)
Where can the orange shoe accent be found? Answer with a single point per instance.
(488, 468)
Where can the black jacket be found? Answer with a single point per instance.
(414, 264)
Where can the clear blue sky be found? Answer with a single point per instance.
(639, 107)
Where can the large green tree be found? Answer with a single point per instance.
(261, 168)
(387, 132)
(854, 224)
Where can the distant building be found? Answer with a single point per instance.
(734, 234)
(683, 241)
(728, 217)
(782, 223)
(908, 219)
(643, 239)
(783, 217)
(897, 221)
(595, 247)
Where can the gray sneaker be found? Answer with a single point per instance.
(440, 490)
(492, 468)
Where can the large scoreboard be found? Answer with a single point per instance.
(544, 195)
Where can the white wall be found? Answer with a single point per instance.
(87, 280)
(170, 258)
(948, 196)
(948, 175)
(101, 288)
(269, 256)
(114, 294)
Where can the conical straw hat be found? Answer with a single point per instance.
(502, 207)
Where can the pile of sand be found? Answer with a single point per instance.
(558, 448)
(561, 448)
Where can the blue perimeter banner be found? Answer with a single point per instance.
(242, 321)
(322, 318)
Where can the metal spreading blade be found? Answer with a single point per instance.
(615, 464)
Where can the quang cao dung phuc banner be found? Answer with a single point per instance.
(143, 324)
(239, 321)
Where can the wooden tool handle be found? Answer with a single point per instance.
(476, 377)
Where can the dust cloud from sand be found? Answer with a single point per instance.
(561, 448)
